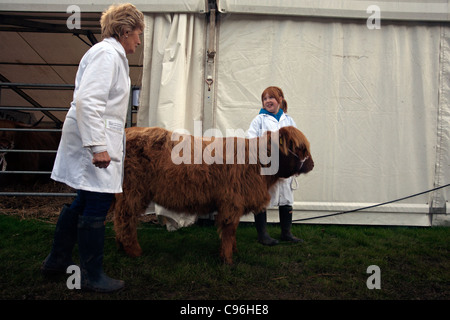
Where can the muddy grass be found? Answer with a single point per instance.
(42, 207)
(184, 265)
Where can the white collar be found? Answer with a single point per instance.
(272, 118)
(116, 45)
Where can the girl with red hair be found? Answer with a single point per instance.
(272, 117)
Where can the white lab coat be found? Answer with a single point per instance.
(281, 193)
(95, 121)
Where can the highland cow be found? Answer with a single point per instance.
(232, 188)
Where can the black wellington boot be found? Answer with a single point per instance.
(91, 239)
(285, 223)
(263, 236)
(60, 256)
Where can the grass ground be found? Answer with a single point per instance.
(184, 265)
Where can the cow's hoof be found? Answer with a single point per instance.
(133, 251)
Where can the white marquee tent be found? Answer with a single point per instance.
(374, 102)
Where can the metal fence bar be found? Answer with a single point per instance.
(25, 172)
(34, 109)
(25, 96)
(27, 151)
(30, 130)
(34, 86)
(37, 194)
(38, 85)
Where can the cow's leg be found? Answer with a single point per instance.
(227, 230)
(125, 224)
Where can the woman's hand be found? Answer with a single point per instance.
(101, 159)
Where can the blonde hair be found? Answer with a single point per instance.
(120, 18)
(278, 94)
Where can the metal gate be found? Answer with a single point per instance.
(18, 88)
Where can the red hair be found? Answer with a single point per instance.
(278, 94)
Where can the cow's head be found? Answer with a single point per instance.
(8, 138)
(295, 154)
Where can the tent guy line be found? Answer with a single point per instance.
(373, 206)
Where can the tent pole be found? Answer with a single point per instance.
(209, 84)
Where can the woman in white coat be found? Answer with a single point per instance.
(91, 152)
(272, 117)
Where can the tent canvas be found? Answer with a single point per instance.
(39, 44)
(373, 102)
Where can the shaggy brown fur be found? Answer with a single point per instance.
(232, 190)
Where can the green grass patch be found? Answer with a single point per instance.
(331, 263)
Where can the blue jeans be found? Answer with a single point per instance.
(93, 204)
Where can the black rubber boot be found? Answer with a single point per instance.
(60, 256)
(91, 239)
(263, 236)
(286, 223)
